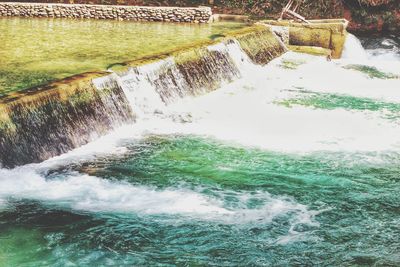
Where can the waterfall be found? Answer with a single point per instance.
(53, 119)
(59, 117)
(353, 49)
(193, 73)
(198, 70)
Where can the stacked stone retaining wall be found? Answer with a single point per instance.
(135, 13)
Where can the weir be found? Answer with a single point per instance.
(217, 148)
(46, 121)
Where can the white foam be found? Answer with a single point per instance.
(107, 145)
(245, 111)
(319, 75)
(388, 51)
(142, 97)
(89, 193)
(353, 48)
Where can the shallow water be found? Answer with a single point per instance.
(287, 166)
(35, 51)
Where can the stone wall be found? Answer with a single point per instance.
(135, 13)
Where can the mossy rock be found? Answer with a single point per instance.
(329, 34)
(261, 46)
(291, 64)
(179, 52)
(312, 50)
(309, 37)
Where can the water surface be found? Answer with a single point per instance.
(35, 51)
(287, 166)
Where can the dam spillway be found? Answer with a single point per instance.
(53, 119)
(86, 106)
(273, 158)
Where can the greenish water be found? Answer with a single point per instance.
(328, 101)
(318, 183)
(36, 51)
(372, 72)
(250, 215)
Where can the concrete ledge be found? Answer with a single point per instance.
(328, 33)
(312, 50)
(46, 121)
(134, 13)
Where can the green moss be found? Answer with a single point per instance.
(328, 34)
(309, 37)
(216, 36)
(261, 45)
(12, 80)
(372, 72)
(312, 50)
(179, 52)
(190, 55)
(62, 90)
(186, 52)
(7, 126)
(81, 98)
(291, 64)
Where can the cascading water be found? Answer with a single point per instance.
(152, 87)
(294, 162)
(67, 114)
(353, 48)
(384, 49)
(58, 119)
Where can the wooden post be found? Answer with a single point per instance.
(291, 12)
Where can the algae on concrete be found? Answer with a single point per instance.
(312, 50)
(262, 45)
(329, 34)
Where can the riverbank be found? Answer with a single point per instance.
(364, 16)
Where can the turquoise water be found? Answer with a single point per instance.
(273, 209)
(293, 169)
(334, 101)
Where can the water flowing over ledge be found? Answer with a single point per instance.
(43, 122)
(67, 114)
(293, 162)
